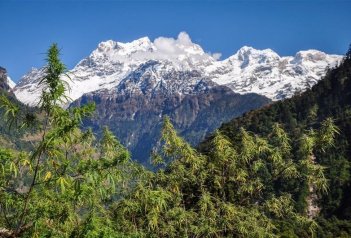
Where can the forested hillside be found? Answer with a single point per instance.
(330, 98)
(10, 135)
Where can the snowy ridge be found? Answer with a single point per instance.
(27, 89)
(153, 76)
(146, 66)
(10, 82)
(266, 73)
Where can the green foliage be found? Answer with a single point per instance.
(66, 184)
(226, 192)
(16, 117)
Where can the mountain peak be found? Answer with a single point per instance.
(248, 55)
(141, 44)
(114, 47)
(250, 70)
(313, 55)
(250, 49)
(104, 45)
(142, 41)
(246, 48)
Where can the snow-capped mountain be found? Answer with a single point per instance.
(27, 89)
(266, 73)
(113, 61)
(135, 84)
(248, 71)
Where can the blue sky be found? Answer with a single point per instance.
(28, 27)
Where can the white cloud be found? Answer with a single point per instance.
(166, 45)
(181, 51)
(170, 47)
(181, 48)
(184, 39)
(216, 56)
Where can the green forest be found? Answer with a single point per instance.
(280, 171)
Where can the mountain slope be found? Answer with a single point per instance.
(134, 110)
(8, 136)
(331, 97)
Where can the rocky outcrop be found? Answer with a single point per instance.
(4, 81)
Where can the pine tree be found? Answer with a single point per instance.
(348, 53)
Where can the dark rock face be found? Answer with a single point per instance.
(136, 118)
(3, 80)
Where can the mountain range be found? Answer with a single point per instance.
(135, 84)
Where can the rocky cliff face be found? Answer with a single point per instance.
(6, 83)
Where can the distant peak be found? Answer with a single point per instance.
(107, 45)
(140, 43)
(246, 48)
(114, 45)
(250, 50)
(143, 40)
(35, 70)
(310, 55)
(309, 52)
(246, 53)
